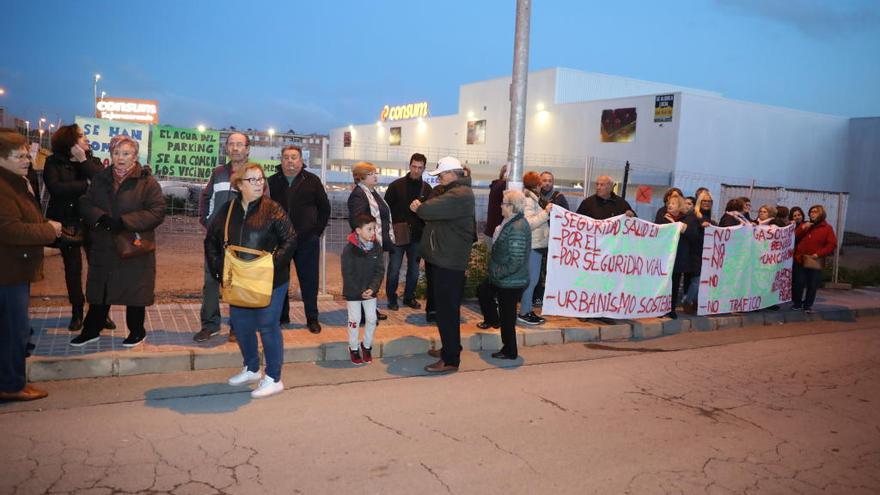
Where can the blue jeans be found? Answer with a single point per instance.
(15, 331)
(693, 291)
(412, 271)
(247, 321)
(535, 259)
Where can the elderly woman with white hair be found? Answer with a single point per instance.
(122, 208)
(508, 272)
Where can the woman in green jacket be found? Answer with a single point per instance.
(508, 273)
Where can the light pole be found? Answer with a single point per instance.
(95, 88)
(27, 126)
(2, 91)
(271, 136)
(201, 127)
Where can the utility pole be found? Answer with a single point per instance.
(518, 89)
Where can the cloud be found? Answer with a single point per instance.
(816, 18)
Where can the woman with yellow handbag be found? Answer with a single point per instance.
(248, 250)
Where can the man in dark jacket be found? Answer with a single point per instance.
(549, 193)
(217, 193)
(302, 193)
(604, 204)
(407, 224)
(23, 233)
(446, 244)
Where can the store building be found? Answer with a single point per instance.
(582, 124)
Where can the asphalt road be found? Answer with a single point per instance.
(776, 409)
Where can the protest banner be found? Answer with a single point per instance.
(99, 132)
(184, 153)
(745, 268)
(615, 268)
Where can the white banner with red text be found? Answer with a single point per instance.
(615, 268)
(745, 268)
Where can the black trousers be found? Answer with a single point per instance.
(803, 278)
(448, 285)
(429, 288)
(498, 305)
(306, 259)
(97, 315)
(676, 285)
(73, 265)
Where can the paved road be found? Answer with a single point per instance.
(784, 409)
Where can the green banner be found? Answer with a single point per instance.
(184, 153)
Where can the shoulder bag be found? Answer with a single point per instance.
(245, 283)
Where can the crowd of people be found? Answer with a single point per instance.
(111, 214)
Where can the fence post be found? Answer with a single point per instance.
(838, 228)
(324, 158)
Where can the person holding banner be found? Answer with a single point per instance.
(508, 273)
(796, 216)
(537, 213)
(123, 207)
(702, 214)
(690, 229)
(733, 214)
(605, 204)
(815, 241)
(661, 212)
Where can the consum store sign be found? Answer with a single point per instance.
(403, 112)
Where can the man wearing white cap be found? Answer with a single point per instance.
(446, 244)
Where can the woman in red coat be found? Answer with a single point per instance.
(815, 241)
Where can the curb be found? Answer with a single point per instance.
(593, 330)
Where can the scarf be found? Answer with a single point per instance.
(374, 210)
(118, 176)
(501, 227)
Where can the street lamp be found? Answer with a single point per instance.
(271, 136)
(201, 127)
(2, 91)
(103, 94)
(27, 126)
(95, 88)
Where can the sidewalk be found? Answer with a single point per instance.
(169, 346)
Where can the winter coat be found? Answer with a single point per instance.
(602, 209)
(358, 203)
(23, 232)
(264, 227)
(818, 239)
(449, 226)
(538, 219)
(695, 241)
(557, 198)
(66, 182)
(140, 205)
(217, 192)
(509, 260)
(305, 201)
(493, 210)
(687, 241)
(361, 270)
(399, 195)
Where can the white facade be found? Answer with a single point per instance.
(711, 139)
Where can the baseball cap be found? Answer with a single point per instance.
(446, 164)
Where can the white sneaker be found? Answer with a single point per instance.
(267, 387)
(245, 377)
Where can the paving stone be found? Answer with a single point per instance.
(587, 333)
(774, 318)
(303, 353)
(208, 360)
(838, 315)
(43, 369)
(405, 346)
(492, 341)
(646, 328)
(615, 331)
(541, 336)
(680, 325)
(794, 316)
(471, 342)
(142, 364)
(865, 312)
(753, 318)
(727, 321)
(335, 351)
(704, 324)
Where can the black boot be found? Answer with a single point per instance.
(109, 324)
(76, 319)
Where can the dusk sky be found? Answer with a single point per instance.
(311, 66)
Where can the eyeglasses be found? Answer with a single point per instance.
(255, 180)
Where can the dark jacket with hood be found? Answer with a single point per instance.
(450, 228)
(305, 201)
(140, 206)
(66, 182)
(399, 195)
(361, 270)
(264, 227)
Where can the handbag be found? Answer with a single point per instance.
(134, 244)
(401, 233)
(814, 262)
(245, 283)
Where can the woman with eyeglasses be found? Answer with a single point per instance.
(255, 222)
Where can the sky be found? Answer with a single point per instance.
(311, 66)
